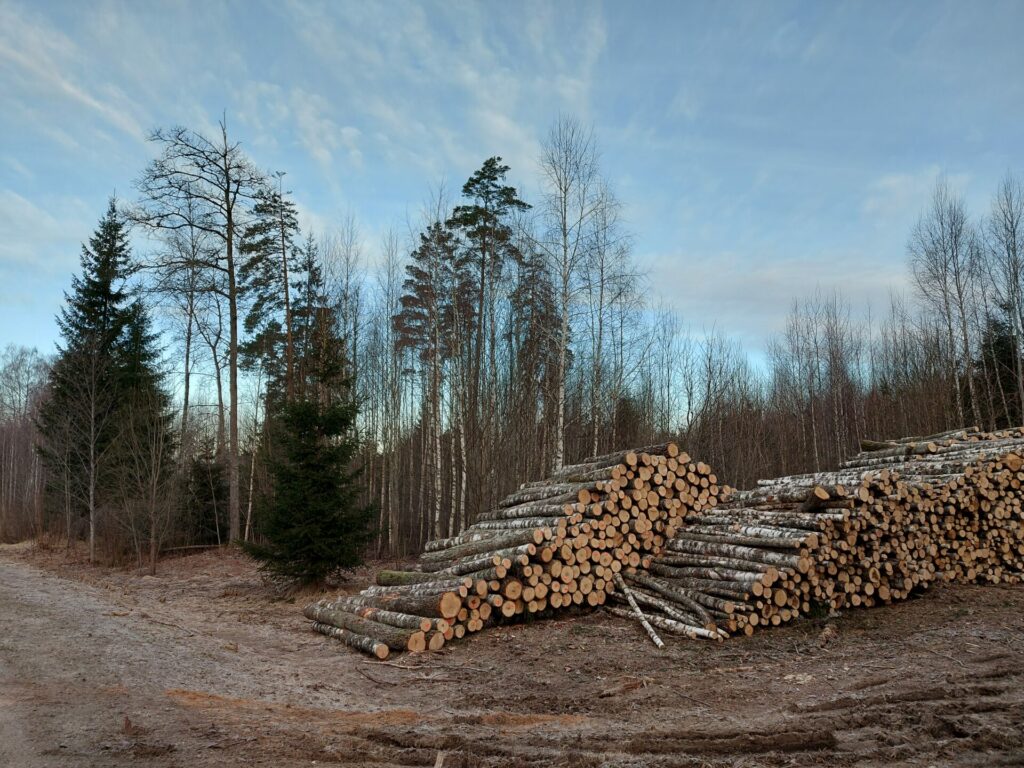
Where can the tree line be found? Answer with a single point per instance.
(500, 337)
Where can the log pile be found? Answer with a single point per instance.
(652, 536)
(899, 516)
(554, 544)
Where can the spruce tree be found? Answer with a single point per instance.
(436, 294)
(311, 520)
(313, 524)
(103, 382)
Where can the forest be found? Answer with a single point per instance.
(491, 342)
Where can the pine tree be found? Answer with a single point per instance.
(435, 301)
(436, 294)
(105, 394)
(268, 248)
(313, 524)
(484, 225)
(484, 222)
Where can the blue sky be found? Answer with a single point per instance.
(762, 149)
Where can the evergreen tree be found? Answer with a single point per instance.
(437, 293)
(436, 303)
(312, 522)
(141, 458)
(320, 350)
(104, 385)
(532, 303)
(268, 249)
(483, 222)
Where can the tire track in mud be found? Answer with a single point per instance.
(972, 718)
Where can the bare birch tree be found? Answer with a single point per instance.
(944, 254)
(569, 170)
(1005, 240)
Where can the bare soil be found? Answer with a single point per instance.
(203, 666)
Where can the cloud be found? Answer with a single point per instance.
(319, 134)
(39, 239)
(19, 167)
(43, 55)
(312, 221)
(746, 190)
(451, 81)
(901, 195)
(273, 113)
(749, 296)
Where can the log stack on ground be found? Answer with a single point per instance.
(899, 516)
(554, 544)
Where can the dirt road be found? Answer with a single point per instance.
(201, 667)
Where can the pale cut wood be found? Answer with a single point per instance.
(394, 638)
(359, 642)
(637, 613)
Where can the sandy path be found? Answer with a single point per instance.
(77, 660)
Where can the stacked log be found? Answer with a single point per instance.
(894, 519)
(551, 545)
(965, 490)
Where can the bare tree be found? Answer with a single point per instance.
(206, 184)
(209, 323)
(146, 481)
(1005, 231)
(89, 420)
(389, 365)
(944, 257)
(182, 282)
(607, 276)
(22, 382)
(569, 168)
(343, 258)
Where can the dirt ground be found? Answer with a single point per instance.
(201, 666)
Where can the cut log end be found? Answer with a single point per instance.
(417, 642)
(450, 605)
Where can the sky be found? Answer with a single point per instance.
(762, 150)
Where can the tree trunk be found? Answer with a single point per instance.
(395, 638)
(234, 496)
(185, 452)
(563, 343)
(435, 445)
(289, 347)
(92, 469)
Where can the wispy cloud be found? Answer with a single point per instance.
(43, 57)
(897, 195)
(40, 239)
(760, 150)
(320, 135)
(272, 112)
